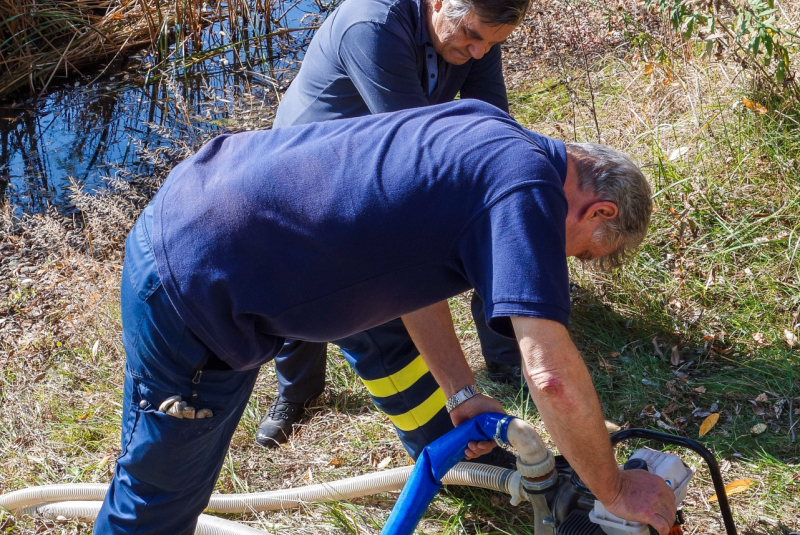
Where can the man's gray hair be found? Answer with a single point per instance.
(492, 12)
(615, 177)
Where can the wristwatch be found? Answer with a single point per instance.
(460, 397)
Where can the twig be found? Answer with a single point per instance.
(63, 55)
(588, 75)
(791, 421)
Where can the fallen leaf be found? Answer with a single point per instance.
(672, 407)
(657, 348)
(759, 338)
(385, 462)
(648, 68)
(709, 423)
(700, 390)
(335, 462)
(758, 428)
(613, 354)
(678, 153)
(95, 348)
(611, 427)
(754, 106)
(664, 425)
(761, 397)
(734, 487)
(676, 356)
(791, 338)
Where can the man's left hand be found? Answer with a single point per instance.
(477, 404)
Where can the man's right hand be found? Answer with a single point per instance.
(646, 498)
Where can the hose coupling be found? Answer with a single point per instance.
(501, 431)
(537, 470)
(540, 485)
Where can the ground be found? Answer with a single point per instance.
(703, 321)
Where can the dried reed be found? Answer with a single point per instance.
(39, 38)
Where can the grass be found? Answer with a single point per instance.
(717, 280)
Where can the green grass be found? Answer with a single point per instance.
(719, 265)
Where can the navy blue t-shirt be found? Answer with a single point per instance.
(320, 231)
(374, 56)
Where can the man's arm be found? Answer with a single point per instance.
(432, 331)
(562, 389)
(485, 80)
(382, 65)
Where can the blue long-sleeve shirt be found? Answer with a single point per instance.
(374, 56)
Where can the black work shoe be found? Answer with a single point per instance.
(497, 457)
(506, 373)
(276, 427)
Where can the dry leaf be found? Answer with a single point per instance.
(758, 428)
(791, 338)
(734, 487)
(676, 356)
(613, 354)
(384, 463)
(762, 397)
(335, 462)
(94, 348)
(754, 106)
(759, 338)
(678, 153)
(709, 423)
(648, 68)
(700, 390)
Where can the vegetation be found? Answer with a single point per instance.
(704, 321)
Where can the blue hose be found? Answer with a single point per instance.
(433, 463)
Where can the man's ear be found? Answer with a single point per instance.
(601, 211)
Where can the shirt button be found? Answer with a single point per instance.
(433, 76)
(143, 404)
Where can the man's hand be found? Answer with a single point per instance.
(646, 498)
(477, 404)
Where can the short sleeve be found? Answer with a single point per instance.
(485, 80)
(514, 254)
(383, 67)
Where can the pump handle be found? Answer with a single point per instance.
(702, 451)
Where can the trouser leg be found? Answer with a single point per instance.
(495, 348)
(168, 466)
(399, 382)
(300, 368)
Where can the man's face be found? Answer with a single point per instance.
(457, 42)
(583, 244)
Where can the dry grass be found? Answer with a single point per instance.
(41, 39)
(61, 360)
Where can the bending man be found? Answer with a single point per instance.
(386, 216)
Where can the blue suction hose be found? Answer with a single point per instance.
(434, 462)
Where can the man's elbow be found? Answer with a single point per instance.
(550, 385)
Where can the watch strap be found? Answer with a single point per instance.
(460, 397)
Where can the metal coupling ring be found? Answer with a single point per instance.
(501, 431)
(540, 486)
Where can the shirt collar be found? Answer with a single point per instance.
(421, 36)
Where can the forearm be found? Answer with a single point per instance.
(432, 331)
(563, 392)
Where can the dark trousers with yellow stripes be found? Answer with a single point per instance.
(400, 383)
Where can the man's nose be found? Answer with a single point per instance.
(477, 50)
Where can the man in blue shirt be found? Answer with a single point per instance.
(373, 56)
(321, 231)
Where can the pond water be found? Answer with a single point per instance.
(88, 129)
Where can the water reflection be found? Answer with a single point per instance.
(80, 133)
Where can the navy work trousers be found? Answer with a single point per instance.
(168, 466)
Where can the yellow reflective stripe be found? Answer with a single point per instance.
(421, 414)
(398, 381)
